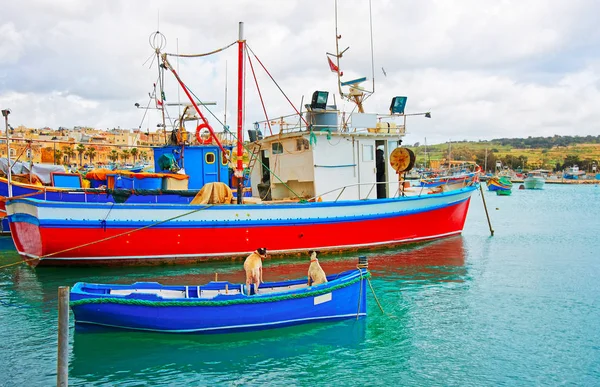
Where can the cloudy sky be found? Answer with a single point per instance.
(485, 69)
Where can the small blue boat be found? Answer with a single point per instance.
(220, 307)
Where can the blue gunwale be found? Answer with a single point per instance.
(92, 292)
(342, 203)
(95, 223)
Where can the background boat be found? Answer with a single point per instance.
(500, 183)
(534, 180)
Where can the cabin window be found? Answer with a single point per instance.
(209, 158)
(367, 153)
(224, 159)
(277, 148)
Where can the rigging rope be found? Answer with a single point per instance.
(109, 238)
(201, 55)
(275, 82)
(246, 147)
(260, 95)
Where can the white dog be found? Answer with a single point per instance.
(316, 274)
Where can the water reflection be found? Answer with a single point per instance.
(424, 264)
(108, 354)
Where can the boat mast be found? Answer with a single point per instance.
(5, 113)
(485, 162)
(239, 173)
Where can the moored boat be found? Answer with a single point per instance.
(220, 307)
(323, 179)
(573, 173)
(58, 233)
(534, 180)
(500, 183)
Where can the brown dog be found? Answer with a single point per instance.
(316, 274)
(253, 267)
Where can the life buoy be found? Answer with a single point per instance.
(203, 141)
(477, 168)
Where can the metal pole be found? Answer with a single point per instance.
(5, 113)
(62, 368)
(486, 211)
(239, 173)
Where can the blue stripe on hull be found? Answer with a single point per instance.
(182, 224)
(241, 328)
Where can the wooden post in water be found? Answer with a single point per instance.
(486, 211)
(62, 367)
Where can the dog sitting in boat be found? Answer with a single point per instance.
(253, 268)
(316, 274)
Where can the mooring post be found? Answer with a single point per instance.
(62, 367)
(486, 211)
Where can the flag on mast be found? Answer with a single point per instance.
(332, 66)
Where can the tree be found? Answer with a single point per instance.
(57, 155)
(125, 155)
(113, 155)
(90, 153)
(80, 150)
(143, 155)
(571, 160)
(69, 152)
(480, 159)
(134, 152)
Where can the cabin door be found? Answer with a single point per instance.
(380, 167)
(367, 170)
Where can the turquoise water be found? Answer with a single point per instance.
(519, 308)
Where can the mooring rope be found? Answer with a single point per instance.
(108, 238)
(376, 300)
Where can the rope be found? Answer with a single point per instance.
(5, 199)
(273, 79)
(260, 95)
(376, 300)
(108, 238)
(248, 300)
(359, 293)
(201, 55)
(248, 149)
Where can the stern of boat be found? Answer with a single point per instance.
(25, 230)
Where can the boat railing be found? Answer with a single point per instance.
(400, 191)
(381, 124)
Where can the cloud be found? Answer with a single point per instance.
(485, 69)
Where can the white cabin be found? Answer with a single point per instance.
(339, 163)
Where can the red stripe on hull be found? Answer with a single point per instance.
(161, 245)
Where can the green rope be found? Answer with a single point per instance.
(312, 137)
(248, 300)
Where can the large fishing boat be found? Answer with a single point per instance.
(322, 179)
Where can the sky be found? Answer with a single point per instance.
(485, 69)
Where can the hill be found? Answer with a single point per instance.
(554, 153)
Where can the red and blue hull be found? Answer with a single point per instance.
(53, 233)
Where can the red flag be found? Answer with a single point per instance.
(332, 66)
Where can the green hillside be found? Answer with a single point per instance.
(553, 153)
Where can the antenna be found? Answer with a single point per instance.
(178, 89)
(372, 56)
(225, 114)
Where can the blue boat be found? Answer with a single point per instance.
(219, 307)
